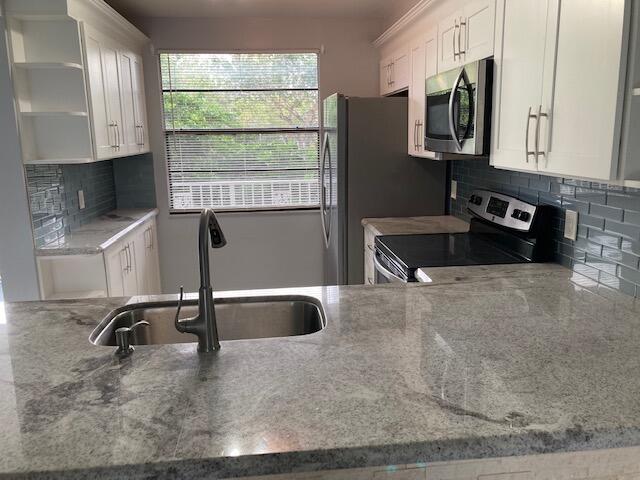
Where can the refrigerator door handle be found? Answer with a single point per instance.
(326, 226)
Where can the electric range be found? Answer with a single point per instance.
(503, 230)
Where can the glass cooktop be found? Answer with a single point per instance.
(444, 250)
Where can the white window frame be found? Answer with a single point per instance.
(284, 208)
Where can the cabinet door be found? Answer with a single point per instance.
(416, 97)
(449, 42)
(519, 63)
(477, 30)
(116, 263)
(424, 64)
(127, 96)
(112, 89)
(103, 134)
(385, 76)
(583, 96)
(153, 260)
(142, 139)
(146, 259)
(130, 281)
(400, 71)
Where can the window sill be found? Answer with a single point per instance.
(196, 212)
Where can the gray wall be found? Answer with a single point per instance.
(608, 246)
(17, 263)
(277, 249)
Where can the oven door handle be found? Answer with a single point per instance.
(452, 101)
(386, 273)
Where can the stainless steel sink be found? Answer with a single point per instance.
(237, 319)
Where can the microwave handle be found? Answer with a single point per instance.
(452, 101)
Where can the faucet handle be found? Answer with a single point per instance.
(177, 319)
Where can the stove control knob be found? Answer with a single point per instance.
(475, 200)
(524, 216)
(516, 214)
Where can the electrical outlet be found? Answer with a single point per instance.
(81, 204)
(571, 225)
(454, 189)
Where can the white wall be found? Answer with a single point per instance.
(264, 249)
(17, 262)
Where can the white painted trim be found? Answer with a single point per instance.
(103, 17)
(407, 19)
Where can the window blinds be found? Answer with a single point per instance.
(241, 130)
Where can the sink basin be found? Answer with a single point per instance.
(237, 319)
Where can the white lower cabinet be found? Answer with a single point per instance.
(146, 259)
(129, 267)
(121, 269)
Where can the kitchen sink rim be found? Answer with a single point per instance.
(94, 337)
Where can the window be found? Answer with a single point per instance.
(241, 130)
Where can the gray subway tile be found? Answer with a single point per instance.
(629, 274)
(591, 221)
(606, 212)
(624, 201)
(624, 229)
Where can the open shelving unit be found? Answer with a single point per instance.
(50, 88)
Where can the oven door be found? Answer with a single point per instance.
(386, 271)
(451, 111)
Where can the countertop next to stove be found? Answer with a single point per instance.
(415, 225)
(488, 361)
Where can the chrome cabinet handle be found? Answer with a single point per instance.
(393, 73)
(415, 135)
(128, 253)
(526, 135)
(420, 125)
(113, 125)
(460, 51)
(452, 98)
(455, 29)
(537, 143)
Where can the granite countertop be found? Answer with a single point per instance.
(486, 362)
(99, 234)
(416, 225)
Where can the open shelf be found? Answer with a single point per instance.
(54, 114)
(47, 65)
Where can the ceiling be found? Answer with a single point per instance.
(382, 9)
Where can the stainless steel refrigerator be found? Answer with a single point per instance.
(366, 172)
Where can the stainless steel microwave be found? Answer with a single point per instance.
(458, 109)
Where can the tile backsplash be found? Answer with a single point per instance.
(107, 185)
(53, 195)
(607, 249)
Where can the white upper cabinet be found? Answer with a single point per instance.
(466, 35)
(140, 106)
(559, 86)
(394, 72)
(583, 99)
(76, 81)
(519, 61)
(424, 64)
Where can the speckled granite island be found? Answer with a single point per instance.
(486, 362)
